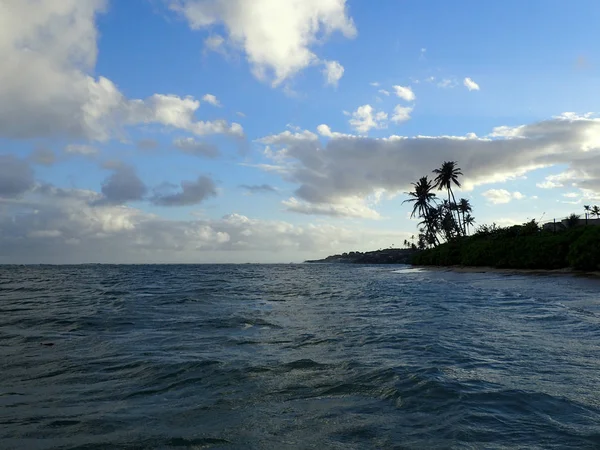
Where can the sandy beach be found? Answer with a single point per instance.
(485, 269)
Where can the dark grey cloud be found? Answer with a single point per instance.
(16, 176)
(196, 148)
(258, 188)
(191, 193)
(347, 167)
(123, 186)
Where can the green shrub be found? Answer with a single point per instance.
(584, 253)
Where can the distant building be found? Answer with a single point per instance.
(563, 224)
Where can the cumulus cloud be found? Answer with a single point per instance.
(258, 188)
(333, 72)
(401, 113)
(197, 148)
(191, 193)
(58, 39)
(123, 186)
(365, 118)
(16, 176)
(501, 196)
(384, 92)
(470, 84)
(350, 166)
(213, 100)
(405, 93)
(275, 36)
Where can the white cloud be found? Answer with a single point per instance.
(447, 83)
(58, 39)
(501, 196)
(351, 207)
(384, 92)
(470, 84)
(375, 83)
(276, 36)
(401, 113)
(325, 131)
(215, 43)
(213, 100)
(405, 93)
(333, 72)
(81, 149)
(365, 118)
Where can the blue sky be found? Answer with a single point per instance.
(275, 130)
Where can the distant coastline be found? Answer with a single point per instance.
(387, 256)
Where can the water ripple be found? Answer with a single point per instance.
(296, 356)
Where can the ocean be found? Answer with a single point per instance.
(296, 357)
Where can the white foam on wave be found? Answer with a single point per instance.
(410, 270)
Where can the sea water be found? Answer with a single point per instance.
(296, 356)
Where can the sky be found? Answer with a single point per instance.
(233, 131)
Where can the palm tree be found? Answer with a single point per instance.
(587, 211)
(469, 221)
(464, 207)
(447, 175)
(596, 211)
(421, 197)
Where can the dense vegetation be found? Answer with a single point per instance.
(444, 238)
(519, 247)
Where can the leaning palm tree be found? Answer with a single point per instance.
(587, 210)
(447, 175)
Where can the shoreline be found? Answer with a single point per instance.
(487, 269)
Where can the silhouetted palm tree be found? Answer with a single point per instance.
(464, 207)
(587, 210)
(422, 197)
(447, 175)
(469, 221)
(596, 211)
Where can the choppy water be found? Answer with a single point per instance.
(296, 356)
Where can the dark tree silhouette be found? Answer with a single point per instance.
(447, 175)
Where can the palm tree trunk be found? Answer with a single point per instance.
(460, 225)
